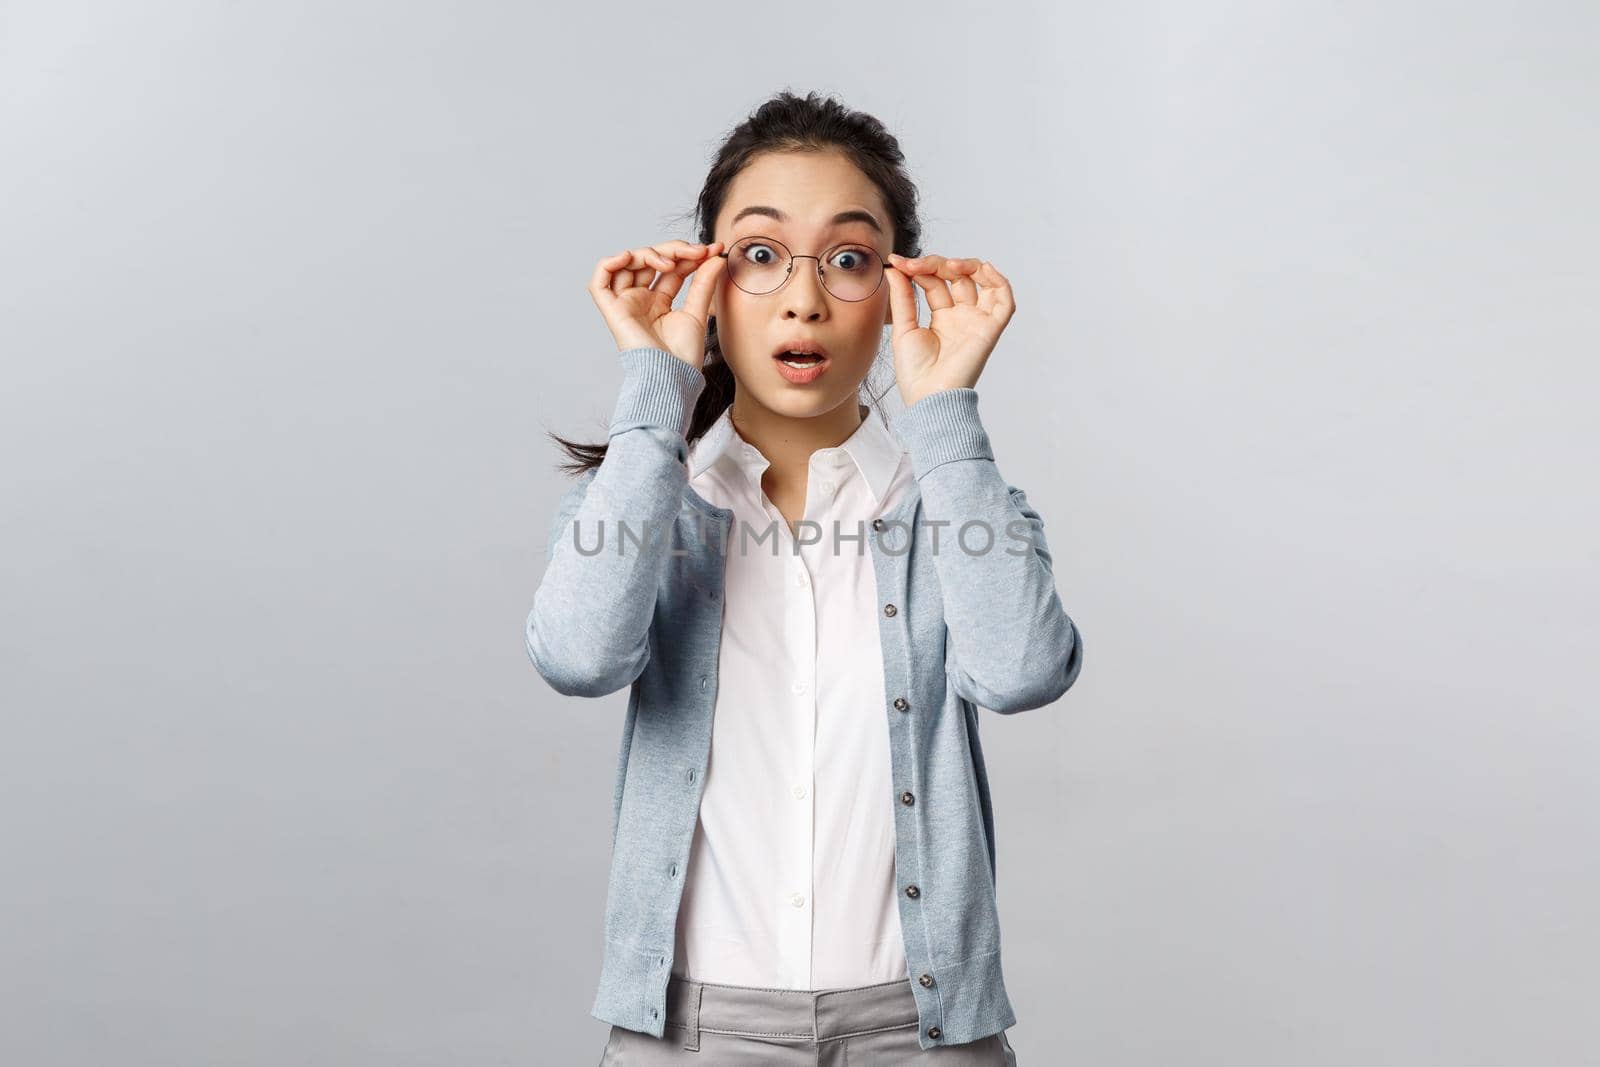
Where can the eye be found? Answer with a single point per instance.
(854, 260)
(762, 255)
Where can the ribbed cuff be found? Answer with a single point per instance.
(658, 389)
(942, 427)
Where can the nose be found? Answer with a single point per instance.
(802, 294)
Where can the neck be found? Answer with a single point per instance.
(788, 442)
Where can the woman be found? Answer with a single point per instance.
(808, 612)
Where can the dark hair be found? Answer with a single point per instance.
(784, 123)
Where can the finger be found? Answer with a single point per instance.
(645, 261)
(608, 272)
(668, 282)
(902, 302)
(658, 259)
(950, 268)
(938, 291)
(962, 286)
(932, 263)
(624, 280)
(680, 249)
(624, 270)
(703, 283)
(997, 298)
(603, 270)
(671, 281)
(916, 264)
(646, 258)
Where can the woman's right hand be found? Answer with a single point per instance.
(637, 303)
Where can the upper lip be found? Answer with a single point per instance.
(801, 344)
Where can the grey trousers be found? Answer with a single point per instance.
(717, 1025)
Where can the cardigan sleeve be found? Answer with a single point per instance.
(588, 632)
(1010, 645)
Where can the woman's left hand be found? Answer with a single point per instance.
(964, 325)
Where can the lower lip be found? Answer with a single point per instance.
(802, 375)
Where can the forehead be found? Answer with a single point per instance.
(809, 187)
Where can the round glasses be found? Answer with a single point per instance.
(760, 265)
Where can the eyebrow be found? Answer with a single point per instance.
(840, 219)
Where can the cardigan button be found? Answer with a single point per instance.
(934, 1032)
(900, 704)
(926, 980)
(877, 524)
(913, 891)
(907, 799)
(889, 609)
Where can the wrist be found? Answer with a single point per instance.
(943, 426)
(658, 389)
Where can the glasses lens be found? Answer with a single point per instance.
(759, 265)
(852, 272)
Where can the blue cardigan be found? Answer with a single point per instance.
(962, 627)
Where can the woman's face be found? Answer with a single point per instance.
(808, 189)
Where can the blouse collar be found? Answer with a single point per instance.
(874, 450)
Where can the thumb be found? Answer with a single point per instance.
(703, 284)
(902, 303)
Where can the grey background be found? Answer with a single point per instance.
(1302, 380)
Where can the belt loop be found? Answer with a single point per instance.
(691, 1017)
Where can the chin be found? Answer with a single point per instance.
(816, 398)
(799, 403)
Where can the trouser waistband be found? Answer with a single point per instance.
(787, 1014)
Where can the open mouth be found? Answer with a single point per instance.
(800, 360)
(801, 366)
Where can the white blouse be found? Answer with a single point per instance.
(791, 880)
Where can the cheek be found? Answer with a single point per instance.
(868, 319)
(739, 333)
